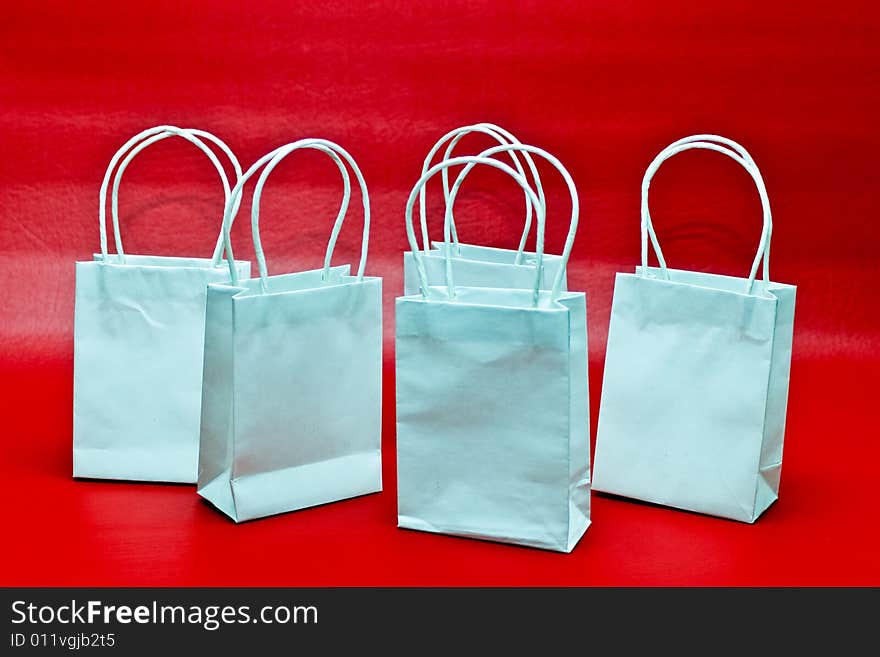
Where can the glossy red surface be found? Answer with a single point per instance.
(604, 86)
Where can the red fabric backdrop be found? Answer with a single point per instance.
(604, 86)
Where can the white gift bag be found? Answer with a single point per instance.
(493, 437)
(696, 376)
(475, 265)
(292, 396)
(138, 332)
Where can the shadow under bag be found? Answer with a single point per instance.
(492, 401)
(292, 395)
(138, 334)
(475, 265)
(696, 376)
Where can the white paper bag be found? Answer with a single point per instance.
(492, 401)
(292, 397)
(473, 265)
(138, 332)
(696, 376)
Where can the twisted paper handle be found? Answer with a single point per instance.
(147, 138)
(740, 155)
(271, 160)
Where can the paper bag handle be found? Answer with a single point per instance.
(147, 138)
(503, 137)
(411, 234)
(271, 160)
(575, 204)
(739, 154)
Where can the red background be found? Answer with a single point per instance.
(604, 86)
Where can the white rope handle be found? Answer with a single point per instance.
(255, 209)
(572, 190)
(271, 160)
(503, 137)
(737, 153)
(411, 234)
(114, 196)
(147, 138)
(740, 150)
